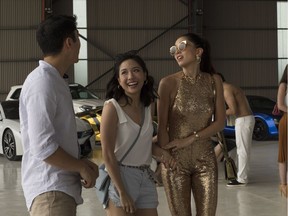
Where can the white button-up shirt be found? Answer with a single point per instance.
(47, 122)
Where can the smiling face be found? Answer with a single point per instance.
(131, 77)
(187, 55)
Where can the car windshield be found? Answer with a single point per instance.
(261, 103)
(16, 94)
(80, 92)
(11, 109)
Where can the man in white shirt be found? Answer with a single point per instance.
(239, 107)
(52, 172)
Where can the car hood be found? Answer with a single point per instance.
(89, 103)
(12, 123)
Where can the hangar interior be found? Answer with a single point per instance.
(243, 36)
(249, 46)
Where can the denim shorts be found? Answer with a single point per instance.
(139, 184)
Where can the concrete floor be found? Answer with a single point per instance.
(259, 198)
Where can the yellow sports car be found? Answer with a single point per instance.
(93, 117)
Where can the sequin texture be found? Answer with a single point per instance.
(192, 111)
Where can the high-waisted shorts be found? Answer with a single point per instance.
(139, 184)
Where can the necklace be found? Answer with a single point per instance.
(192, 79)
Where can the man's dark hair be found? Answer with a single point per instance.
(52, 32)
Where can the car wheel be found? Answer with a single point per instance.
(9, 146)
(260, 131)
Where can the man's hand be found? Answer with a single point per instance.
(89, 173)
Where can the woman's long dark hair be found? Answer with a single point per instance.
(114, 90)
(205, 64)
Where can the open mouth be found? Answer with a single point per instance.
(179, 57)
(132, 84)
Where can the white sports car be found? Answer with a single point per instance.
(10, 136)
(83, 99)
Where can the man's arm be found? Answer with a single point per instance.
(87, 169)
(230, 101)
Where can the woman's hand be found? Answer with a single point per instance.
(168, 160)
(177, 144)
(127, 203)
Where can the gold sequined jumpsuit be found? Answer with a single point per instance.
(191, 111)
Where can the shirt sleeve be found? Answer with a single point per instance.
(41, 107)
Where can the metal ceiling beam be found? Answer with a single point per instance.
(147, 44)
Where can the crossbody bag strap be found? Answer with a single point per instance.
(214, 96)
(222, 141)
(142, 121)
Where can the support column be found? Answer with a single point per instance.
(46, 9)
(81, 68)
(195, 16)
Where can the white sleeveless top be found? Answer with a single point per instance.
(141, 153)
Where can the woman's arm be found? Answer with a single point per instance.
(281, 97)
(219, 119)
(163, 105)
(108, 128)
(163, 156)
(216, 126)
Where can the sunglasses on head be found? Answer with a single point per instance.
(180, 47)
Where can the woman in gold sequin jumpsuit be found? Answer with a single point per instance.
(185, 109)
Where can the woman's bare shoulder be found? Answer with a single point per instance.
(217, 78)
(171, 79)
(109, 107)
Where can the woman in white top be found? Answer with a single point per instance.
(282, 98)
(130, 95)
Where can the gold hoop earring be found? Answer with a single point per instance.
(146, 81)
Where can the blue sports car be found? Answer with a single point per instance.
(266, 124)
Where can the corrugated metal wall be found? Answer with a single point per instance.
(243, 36)
(120, 26)
(19, 52)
